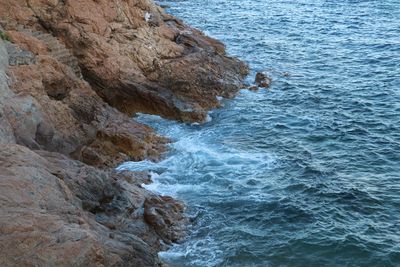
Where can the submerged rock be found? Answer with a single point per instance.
(253, 88)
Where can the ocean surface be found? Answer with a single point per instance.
(306, 173)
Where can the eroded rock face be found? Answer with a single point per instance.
(75, 66)
(59, 212)
(56, 211)
(53, 109)
(137, 57)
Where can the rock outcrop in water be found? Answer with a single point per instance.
(70, 70)
(262, 80)
(136, 57)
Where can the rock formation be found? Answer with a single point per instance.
(137, 57)
(262, 80)
(59, 212)
(70, 79)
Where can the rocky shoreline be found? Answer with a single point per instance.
(72, 74)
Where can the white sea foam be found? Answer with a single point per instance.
(206, 248)
(198, 168)
(208, 118)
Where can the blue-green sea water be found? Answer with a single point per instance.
(308, 172)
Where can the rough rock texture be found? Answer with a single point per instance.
(71, 68)
(138, 58)
(56, 211)
(6, 131)
(262, 80)
(60, 212)
(67, 116)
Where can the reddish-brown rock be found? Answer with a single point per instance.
(69, 117)
(136, 57)
(59, 212)
(76, 65)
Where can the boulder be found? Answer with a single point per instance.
(262, 80)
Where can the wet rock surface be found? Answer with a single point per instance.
(262, 80)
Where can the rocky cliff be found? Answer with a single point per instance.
(135, 56)
(71, 77)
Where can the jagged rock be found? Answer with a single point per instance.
(162, 213)
(55, 209)
(67, 116)
(60, 212)
(262, 80)
(156, 65)
(44, 43)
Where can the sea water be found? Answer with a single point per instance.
(306, 173)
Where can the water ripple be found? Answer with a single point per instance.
(308, 172)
